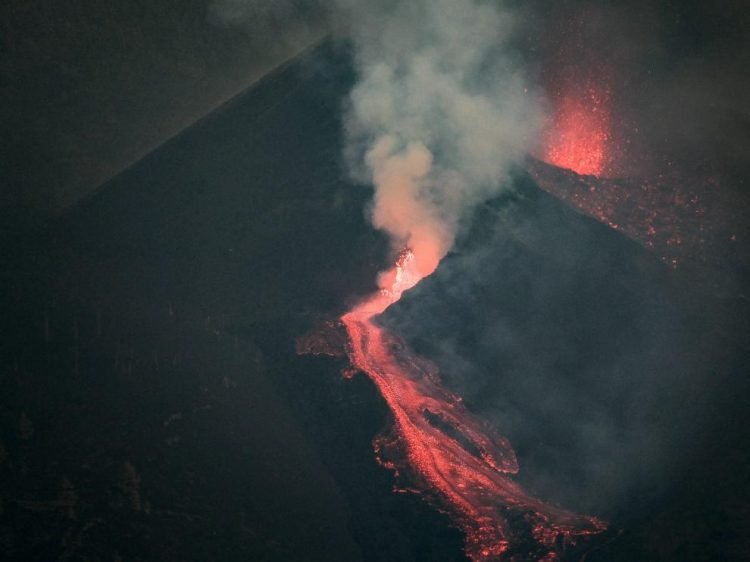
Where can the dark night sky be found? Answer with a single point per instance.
(87, 88)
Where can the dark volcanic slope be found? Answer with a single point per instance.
(619, 382)
(152, 404)
(140, 407)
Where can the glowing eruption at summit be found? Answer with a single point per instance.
(579, 134)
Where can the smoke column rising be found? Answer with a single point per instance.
(438, 116)
(440, 111)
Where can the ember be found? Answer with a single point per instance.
(579, 133)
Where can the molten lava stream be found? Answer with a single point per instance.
(465, 468)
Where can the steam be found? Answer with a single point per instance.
(439, 115)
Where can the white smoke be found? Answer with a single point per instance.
(440, 111)
(438, 116)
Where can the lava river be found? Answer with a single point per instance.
(448, 453)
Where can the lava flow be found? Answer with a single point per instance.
(447, 452)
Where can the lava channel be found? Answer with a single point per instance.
(447, 452)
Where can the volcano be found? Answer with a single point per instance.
(155, 408)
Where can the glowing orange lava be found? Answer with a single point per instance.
(579, 133)
(447, 451)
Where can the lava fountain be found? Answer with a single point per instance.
(579, 132)
(447, 452)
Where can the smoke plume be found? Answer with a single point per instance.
(280, 28)
(439, 114)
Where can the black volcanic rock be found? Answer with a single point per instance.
(142, 416)
(602, 366)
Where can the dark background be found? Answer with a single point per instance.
(152, 406)
(88, 87)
